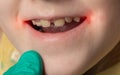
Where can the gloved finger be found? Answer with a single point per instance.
(30, 63)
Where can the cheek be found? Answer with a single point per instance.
(105, 28)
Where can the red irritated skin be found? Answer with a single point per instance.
(68, 53)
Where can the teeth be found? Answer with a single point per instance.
(77, 19)
(36, 22)
(68, 19)
(45, 23)
(59, 22)
(33, 22)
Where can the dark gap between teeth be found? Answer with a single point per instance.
(53, 29)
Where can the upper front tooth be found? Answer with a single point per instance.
(45, 23)
(77, 19)
(36, 22)
(68, 19)
(33, 22)
(59, 22)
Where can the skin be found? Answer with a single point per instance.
(74, 54)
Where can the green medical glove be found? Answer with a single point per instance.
(30, 63)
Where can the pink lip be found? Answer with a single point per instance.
(62, 36)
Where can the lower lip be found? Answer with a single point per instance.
(62, 36)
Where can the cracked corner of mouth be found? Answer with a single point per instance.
(56, 26)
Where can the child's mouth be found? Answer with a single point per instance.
(56, 25)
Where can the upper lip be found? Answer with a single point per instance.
(35, 11)
(50, 18)
(31, 16)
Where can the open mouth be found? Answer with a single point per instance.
(56, 25)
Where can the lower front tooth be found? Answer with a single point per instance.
(45, 23)
(59, 22)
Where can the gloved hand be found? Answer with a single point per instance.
(30, 63)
